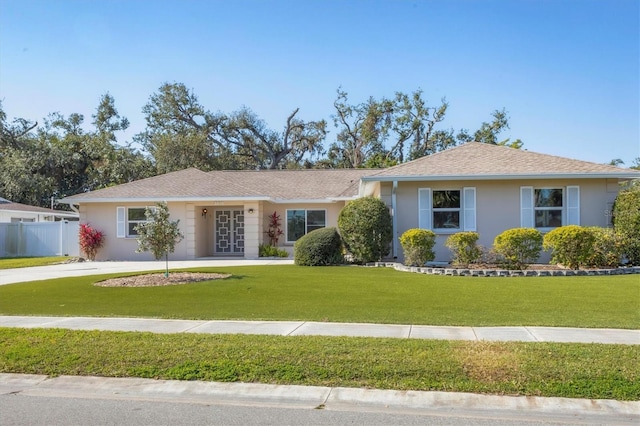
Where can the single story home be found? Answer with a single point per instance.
(11, 212)
(472, 187)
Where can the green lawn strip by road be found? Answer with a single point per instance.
(514, 368)
(25, 262)
(346, 294)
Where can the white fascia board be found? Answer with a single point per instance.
(77, 201)
(502, 177)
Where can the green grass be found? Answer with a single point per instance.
(515, 368)
(346, 294)
(25, 262)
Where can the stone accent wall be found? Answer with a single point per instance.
(505, 272)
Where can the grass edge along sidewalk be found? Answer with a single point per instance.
(505, 368)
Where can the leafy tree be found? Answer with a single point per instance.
(362, 130)
(159, 235)
(626, 221)
(182, 133)
(366, 229)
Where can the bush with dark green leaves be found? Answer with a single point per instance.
(319, 248)
(626, 221)
(464, 247)
(366, 229)
(517, 248)
(570, 245)
(417, 245)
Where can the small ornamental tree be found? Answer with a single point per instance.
(417, 245)
(366, 230)
(90, 240)
(159, 235)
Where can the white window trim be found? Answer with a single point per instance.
(570, 206)
(286, 213)
(467, 209)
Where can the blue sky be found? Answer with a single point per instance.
(567, 71)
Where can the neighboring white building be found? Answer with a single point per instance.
(11, 212)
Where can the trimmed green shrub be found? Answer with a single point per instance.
(267, 250)
(607, 248)
(417, 245)
(626, 222)
(366, 229)
(318, 248)
(570, 245)
(518, 247)
(464, 246)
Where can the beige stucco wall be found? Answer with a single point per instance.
(498, 206)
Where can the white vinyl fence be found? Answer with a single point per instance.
(39, 239)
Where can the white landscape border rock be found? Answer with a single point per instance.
(468, 272)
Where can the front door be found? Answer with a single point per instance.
(229, 231)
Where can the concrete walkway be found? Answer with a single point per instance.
(306, 328)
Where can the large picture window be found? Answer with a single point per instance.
(548, 207)
(301, 222)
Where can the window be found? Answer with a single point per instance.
(301, 222)
(127, 220)
(547, 208)
(447, 210)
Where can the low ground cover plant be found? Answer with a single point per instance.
(417, 245)
(267, 250)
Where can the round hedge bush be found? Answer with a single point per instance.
(366, 229)
(518, 247)
(417, 245)
(319, 248)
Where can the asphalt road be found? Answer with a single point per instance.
(16, 409)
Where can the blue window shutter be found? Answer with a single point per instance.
(120, 222)
(526, 207)
(573, 205)
(469, 208)
(424, 208)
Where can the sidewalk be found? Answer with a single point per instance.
(306, 328)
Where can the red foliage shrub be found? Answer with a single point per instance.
(90, 240)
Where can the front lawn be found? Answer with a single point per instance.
(510, 368)
(25, 262)
(346, 294)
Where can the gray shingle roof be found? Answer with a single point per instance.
(481, 160)
(7, 205)
(277, 185)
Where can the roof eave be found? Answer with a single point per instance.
(501, 177)
(72, 201)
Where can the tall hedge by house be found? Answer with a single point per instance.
(366, 229)
(319, 248)
(626, 221)
(417, 245)
(518, 247)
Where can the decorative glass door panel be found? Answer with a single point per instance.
(229, 232)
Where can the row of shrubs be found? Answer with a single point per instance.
(572, 246)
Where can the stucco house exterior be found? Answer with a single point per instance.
(472, 187)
